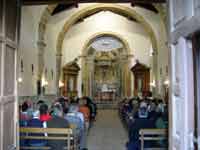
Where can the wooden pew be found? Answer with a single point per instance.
(152, 135)
(61, 134)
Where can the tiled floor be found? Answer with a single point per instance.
(107, 132)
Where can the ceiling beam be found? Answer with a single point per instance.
(47, 2)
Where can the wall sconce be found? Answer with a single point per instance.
(166, 82)
(44, 82)
(61, 84)
(151, 51)
(20, 80)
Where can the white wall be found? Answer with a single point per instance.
(50, 62)
(28, 50)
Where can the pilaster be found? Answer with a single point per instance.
(58, 72)
(41, 51)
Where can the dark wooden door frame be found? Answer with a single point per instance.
(196, 62)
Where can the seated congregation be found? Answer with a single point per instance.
(64, 113)
(138, 114)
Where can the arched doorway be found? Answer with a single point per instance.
(105, 67)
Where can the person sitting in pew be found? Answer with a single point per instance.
(44, 115)
(161, 106)
(143, 111)
(135, 105)
(141, 121)
(24, 116)
(161, 124)
(85, 111)
(38, 104)
(76, 118)
(23, 121)
(152, 111)
(162, 118)
(93, 108)
(35, 122)
(64, 103)
(57, 121)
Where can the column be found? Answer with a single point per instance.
(123, 75)
(155, 74)
(125, 60)
(41, 51)
(90, 62)
(58, 72)
(129, 74)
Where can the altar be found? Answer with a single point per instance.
(106, 93)
(107, 96)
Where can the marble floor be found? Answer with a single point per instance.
(107, 132)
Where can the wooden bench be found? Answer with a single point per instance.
(152, 135)
(61, 134)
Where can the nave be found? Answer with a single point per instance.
(107, 132)
(105, 50)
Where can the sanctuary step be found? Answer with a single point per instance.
(107, 104)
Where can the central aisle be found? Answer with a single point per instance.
(107, 133)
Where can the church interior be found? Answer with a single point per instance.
(108, 52)
(99, 75)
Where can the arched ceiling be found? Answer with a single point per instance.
(56, 8)
(118, 9)
(131, 18)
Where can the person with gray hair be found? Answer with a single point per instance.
(143, 111)
(74, 117)
(57, 121)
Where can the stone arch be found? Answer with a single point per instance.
(115, 8)
(118, 9)
(106, 33)
(44, 20)
(88, 71)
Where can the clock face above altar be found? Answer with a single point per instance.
(106, 44)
